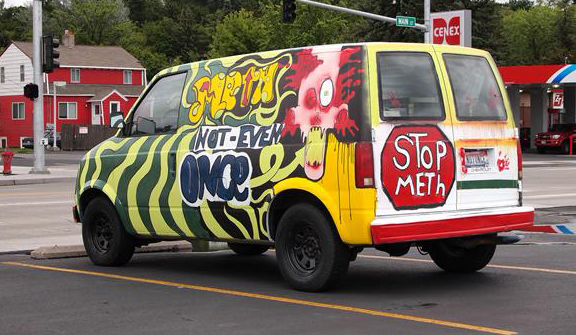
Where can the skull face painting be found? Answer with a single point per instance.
(324, 85)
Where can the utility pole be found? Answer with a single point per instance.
(39, 159)
(427, 22)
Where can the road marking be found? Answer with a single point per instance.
(31, 194)
(507, 267)
(546, 196)
(270, 298)
(38, 203)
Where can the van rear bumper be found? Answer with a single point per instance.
(419, 227)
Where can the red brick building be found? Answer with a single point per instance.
(99, 79)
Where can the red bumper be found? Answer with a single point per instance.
(548, 143)
(447, 228)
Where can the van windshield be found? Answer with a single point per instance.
(475, 88)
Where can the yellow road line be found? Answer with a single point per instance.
(270, 298)
(507, 267)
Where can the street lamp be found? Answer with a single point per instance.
(56, 84)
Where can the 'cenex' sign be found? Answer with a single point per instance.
(453, 28)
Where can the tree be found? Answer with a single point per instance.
(531, 36)
(239, 33)
(93, 21)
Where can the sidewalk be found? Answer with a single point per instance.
(21, 176)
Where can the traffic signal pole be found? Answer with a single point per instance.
(427, 22)
(423, 27)
(39, 159)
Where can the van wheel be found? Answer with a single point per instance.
(310, 254)
(105, 240)
(452, 258)
(248, 249)
(541, 150)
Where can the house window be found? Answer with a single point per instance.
(128, 77)
(75, 75)
(18, 111)
(22, 76)
(67, 111)
(2, 75)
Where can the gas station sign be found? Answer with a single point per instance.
(452, 28)
(558, 100)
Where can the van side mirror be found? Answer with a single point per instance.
(117, 120)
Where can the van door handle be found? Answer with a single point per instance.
(172, 163)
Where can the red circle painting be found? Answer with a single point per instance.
(418, 167)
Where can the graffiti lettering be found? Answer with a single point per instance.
(221, 92)
(245, 136)
(417, 167)
(219, 177)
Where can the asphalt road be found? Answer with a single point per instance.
(37, 215)
(529, 289)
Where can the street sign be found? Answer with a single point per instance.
(452, 28)
(405, 21)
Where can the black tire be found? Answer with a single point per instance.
(105, 240)
(452, 258)
(310, 254)
(565, 147)
(244, 249)
(541, 150)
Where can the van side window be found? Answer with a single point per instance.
(476, 91)
(158, 112)
(409, 86)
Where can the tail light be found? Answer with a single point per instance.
(364, 165)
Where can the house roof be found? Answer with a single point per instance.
(89, 56)
(97, 92)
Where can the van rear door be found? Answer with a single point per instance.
(484, 132)
(414, 165)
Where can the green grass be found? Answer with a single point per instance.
(20, 150)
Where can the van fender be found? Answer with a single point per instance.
(314, 189)
(104, 188)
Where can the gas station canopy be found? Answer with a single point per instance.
(539, 74)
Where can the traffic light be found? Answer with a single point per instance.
(31, 91)
(288, 11)
(50, 53)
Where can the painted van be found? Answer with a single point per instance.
(319, 152)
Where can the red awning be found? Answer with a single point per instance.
(526, 75)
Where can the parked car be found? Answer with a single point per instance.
(558, 137)
(28, 142)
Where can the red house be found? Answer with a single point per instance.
(91, 82)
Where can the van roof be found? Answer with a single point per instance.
(326, 47)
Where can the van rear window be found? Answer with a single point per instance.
(409, 87)
(475, 88)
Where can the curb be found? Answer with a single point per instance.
(71, 251)
(15, 182)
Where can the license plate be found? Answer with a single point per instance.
(477, 160)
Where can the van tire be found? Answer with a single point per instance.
(105, 240)
(325, 260)
(452, 258)
(244, 249)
